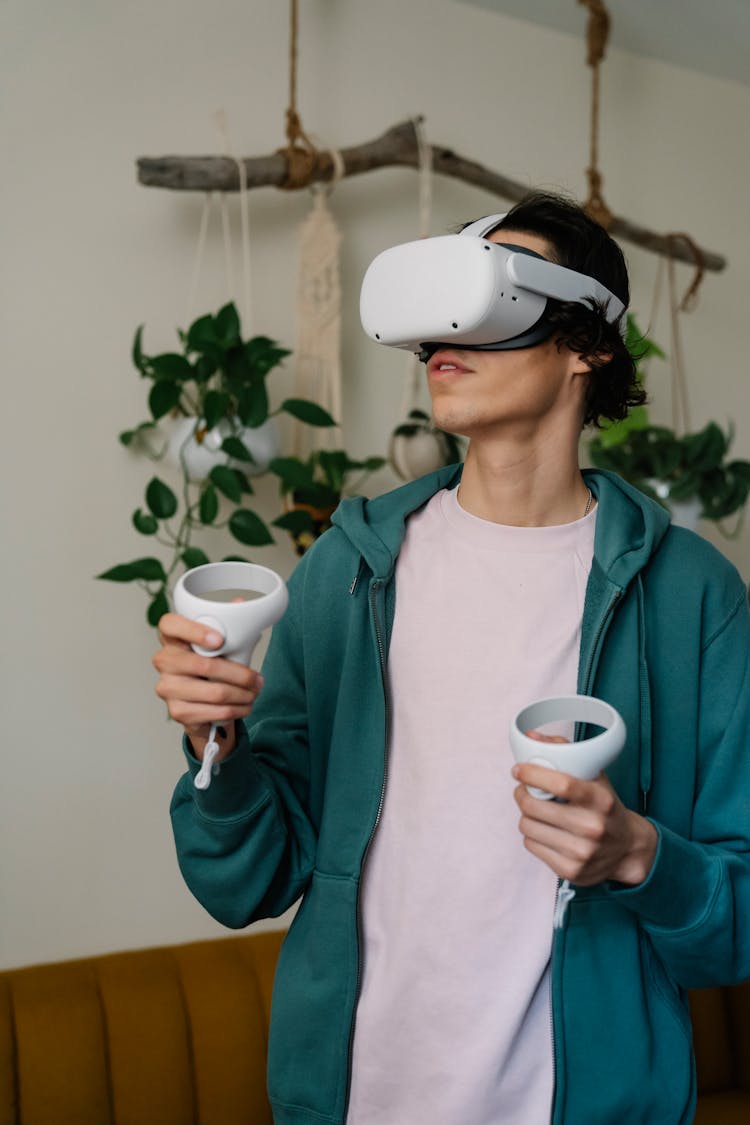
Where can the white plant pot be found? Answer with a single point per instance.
(414, 455)
(683, 513)
(200, 457)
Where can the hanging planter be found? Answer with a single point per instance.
(211, 397)
(417, 447)
(690, 474)
(192, 446)
(313, 488)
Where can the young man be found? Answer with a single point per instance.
(423, 981)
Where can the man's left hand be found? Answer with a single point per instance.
(588, 835)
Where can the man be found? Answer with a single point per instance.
(423, 979)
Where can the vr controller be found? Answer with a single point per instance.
(465, 291)
(586, 758)
(239, 623)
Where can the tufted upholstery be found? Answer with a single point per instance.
(173, 1036)
(177, 1036)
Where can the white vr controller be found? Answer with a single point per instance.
(239, 623)
(585, 759)
(462, 289)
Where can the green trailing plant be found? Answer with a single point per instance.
(218, 379)
(671, 467)
(313, 487)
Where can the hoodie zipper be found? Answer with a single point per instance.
(559, 933)
(358, 983)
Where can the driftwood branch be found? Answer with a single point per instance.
(396, 147)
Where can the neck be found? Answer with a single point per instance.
(521, 483)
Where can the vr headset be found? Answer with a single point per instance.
(461, 290)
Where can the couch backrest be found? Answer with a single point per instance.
(75, 1048)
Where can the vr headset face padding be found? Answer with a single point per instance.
(462, 290)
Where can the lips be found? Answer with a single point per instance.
(446, 362)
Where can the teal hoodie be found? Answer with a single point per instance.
(665, 639)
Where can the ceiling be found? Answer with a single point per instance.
(708, 36)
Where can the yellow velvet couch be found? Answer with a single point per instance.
(177, 1036)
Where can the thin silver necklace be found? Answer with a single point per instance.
(589, 502)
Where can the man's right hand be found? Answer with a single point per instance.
(201, 690)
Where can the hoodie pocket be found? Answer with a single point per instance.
(672, 997)
(313, 1001)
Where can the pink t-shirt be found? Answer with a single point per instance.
(454, 1022)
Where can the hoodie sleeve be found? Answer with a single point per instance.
(246, 845)
(695, 903)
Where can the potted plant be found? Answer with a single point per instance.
(312, 489)
(690, 474)
(417, 447)
(214, 394)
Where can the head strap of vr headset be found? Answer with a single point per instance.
(549, 279)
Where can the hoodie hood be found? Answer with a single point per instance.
(376, 528)
(629, 529)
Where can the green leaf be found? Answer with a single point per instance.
(239, 370)
(164, 397)
(237, 449)
(264, 354)
(209, 504)
(128, 437)
(245, 485)
(227, 483)
(335, 464)
(308, 412)
(252, 404)
(215, 406)
(137, 353)
(317, 496)
(122, 573)
(292, 472)
(235, 558)
(144, 522)
(171, 366)
(160, 499)
(228, 324)
(158, 607)
(249, 528)
(147, 570)
(295, 522)
(193, 556)
(204, 367)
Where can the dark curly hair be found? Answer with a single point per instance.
(582, 244)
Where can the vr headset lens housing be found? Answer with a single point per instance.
(464, 291)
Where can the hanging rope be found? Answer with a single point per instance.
(680, 402)
(597, 34)
(679, 397)
(302, 157)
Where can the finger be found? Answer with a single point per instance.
(178, 661)
(561, 785)
(204, 691)
(539, 737)
(563, 866)
(174, 627)
(576, 820)
(193, 715)
(565, 844)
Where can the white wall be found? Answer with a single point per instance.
(89, 762)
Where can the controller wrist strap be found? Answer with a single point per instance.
(209, 767)
(565, 895)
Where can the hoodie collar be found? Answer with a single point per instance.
(629, 527)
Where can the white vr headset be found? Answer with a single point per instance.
(464, 291)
